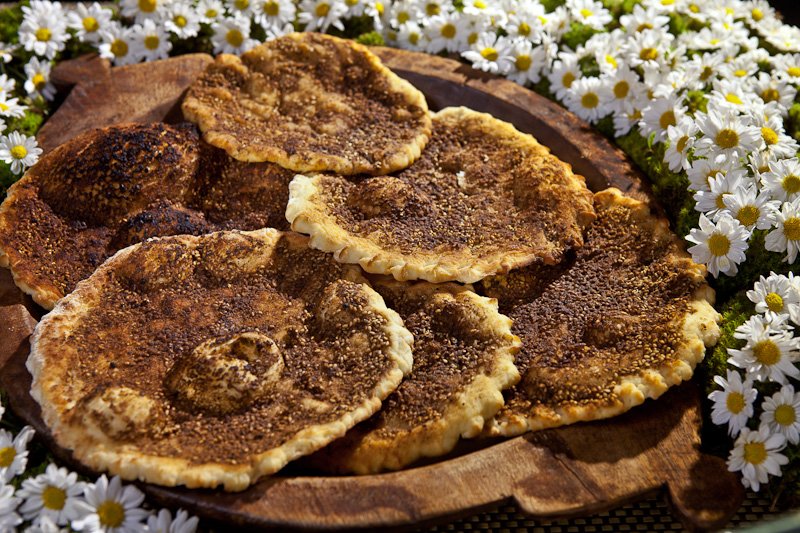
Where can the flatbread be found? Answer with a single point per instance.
(310, 102)
(623, 320)
(214, 360)
(463, 359)
(116, 186)
(483, 199)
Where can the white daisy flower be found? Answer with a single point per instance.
(43, 30)
(730, 94)
(38, 82)
(118, 44)
(489, 53)
(712, 201)
(704, 68)
(702, 171)
(431, 8)
(589, 13)
(755, 11)
(768, 354)
(355, 8)
(11, 107)
(782, 413)
(524, 62)
(319, 15)
(239, 7)
(787, 67)
(411, 37)
(210, 11)
(641, 19)
(772, 89)
(756, 454)
(54, 494)
(402, 11)
(153, 41)
(9, 518)
(620, 89)
(786, 236)
(564, 72)
(681, 139)
(274, 33)
(274, 13)
(557, 22)
(583, 99)
(45, 525)
(774, 139)
(648, 47)
(110, 507)
(774, 296)
(446, 32)
(19, 151)
(625, 121)
(660, 114)
(89, 21)
(141, 10)
(14, 450)
(164, 523)
(526, 22)
(232, 35)
(733, 405)
(725, 134)
(783, 179)
(752, 207)
(182, 20)
(721, 246)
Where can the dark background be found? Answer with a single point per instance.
(790, 9)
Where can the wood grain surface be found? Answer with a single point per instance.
(576, 470)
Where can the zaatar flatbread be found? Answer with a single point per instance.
(214, 360)
(483, 199)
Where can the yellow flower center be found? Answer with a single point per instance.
(785, 415)
(479, 4)
(567, 79)
(791, 184)
(244, 4)
(774, 302)
(523, 63)
(740, 73)
(714, 41)
(403, 17)
(351, 2)
(179, 21)
(272, 9)
(43, 34)
(119, 48)
(234, 38)
(718, 244)
(733, 98)
(90, 24)
(667, 119)
(211, 13)
(757, 14)
(735, 402)
(793, 71)
(770, 95)
(621, 89)
(489, 53)
(586, 13)
(147, 6)
(706, 73)
(667, 2)
(755, 453)
(770, 136)
(791, 228)
(151, 42)
(111, 514)
(19, 152)
(648, 54)
(54, 498)
(448, 31)
(720, 201)
(432, 9)
(322, 9)
(379, 8)
(590, 100)
(413, 38)
(748, 215)
(3, 106)
(681, 145)
(727, 138)
(611, 60)
(767, 352)
(7, 456)
(39, 81)
(472, 38)
(523, 29)
(644, 26)
(694, 8)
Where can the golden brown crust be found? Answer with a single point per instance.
(116, 186)
(310, 102)
(483, 199)
(626, 318)
(463, 359)
(286, 351)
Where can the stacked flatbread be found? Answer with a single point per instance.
(191, 343)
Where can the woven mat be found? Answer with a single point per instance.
(652, 514)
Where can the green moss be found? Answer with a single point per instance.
(372, 38)
(620, 7)
(606, 126)
(28, 124)
(577, 35)
(696, 101)
(793, 122)
(551, 5)
(589, 66)
(10, 19)
(678, 24)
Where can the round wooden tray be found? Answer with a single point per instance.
(563, 472)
